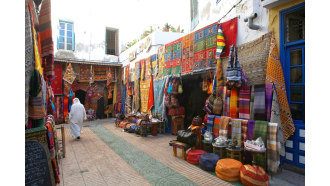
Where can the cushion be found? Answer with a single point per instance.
(208, 161)
(123, 124)
(194, 155)
(254, 176)
(228, 169)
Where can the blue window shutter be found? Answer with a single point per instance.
(73, 41)
(58, 45)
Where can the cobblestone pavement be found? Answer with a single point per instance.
(98, 159)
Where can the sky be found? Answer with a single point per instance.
(131, 17)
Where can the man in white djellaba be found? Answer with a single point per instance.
(77, 116)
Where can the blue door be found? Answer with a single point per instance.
(292, 44)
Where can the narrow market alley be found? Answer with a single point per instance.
(105, 155)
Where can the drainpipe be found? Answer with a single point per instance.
(250, 22)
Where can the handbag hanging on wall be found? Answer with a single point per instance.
(233, 71)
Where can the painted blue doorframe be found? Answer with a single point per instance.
(295, 145)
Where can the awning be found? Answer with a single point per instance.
(117, 64)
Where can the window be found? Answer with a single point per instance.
(66, 36)
(194, 13)
(111, 43)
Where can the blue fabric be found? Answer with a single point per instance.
(123, 99)
(208, 161)
(210, 120)
(159, 87)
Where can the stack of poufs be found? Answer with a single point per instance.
(208, 161)
(193, 156)
(228, 169)
(254, 175)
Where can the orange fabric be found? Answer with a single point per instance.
(228, 169)
(254, 176)
(233, 108)
(151, 94)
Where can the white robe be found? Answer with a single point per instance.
(76, 116)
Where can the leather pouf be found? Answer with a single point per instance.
(228, 169)
(194, 155)
(208, 161)
(254, 176)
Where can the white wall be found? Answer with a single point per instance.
(209, 12)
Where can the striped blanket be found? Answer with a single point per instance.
(233, 103)
(249, 136)
(260, 130)
(244, 102)
(269, 97)
(259, 106)
(236, 131)
(224, 126)
(210, 122)
(273, 156)
(216, 125)
(274, 74)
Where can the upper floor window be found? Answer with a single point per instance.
(111, 44)
(193, 13)
(66, 36)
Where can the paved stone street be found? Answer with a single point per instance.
(106, 155)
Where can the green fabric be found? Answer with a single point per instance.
(35, 83)
(260, 130)
(152, 170)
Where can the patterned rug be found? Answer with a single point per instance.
(152, 170)
(144, 93)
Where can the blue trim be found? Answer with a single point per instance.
(73, 34)
(73, 38)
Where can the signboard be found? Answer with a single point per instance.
(38, 169)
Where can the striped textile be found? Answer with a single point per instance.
(274, 74)
(224, 122)
(275, 118)
(252, 103)
(249, 136)
(244, 102)
(177, 55)
(260, 130)
(273, 156)
(236, 131)
(227, 102)
(259, 106)
(269, 97)
(136, 97)
(233, 103)
(210, 120)
(219, 78)
(244, 130)
(220, 43)
(216, 125)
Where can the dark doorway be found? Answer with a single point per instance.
(80, 94)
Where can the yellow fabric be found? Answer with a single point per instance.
(36, 52)
(228, 169)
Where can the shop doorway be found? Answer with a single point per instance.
(80, 94)
(292, 45)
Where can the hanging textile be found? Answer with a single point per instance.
(260, 130)
(224, 122)
(154, 65)
(210, 122)
(244, 102)
(244, 131)
(123, 100)
(259, 106)
(233, 103)
(275, 118)
(274, 74)
(57, 81)
(227, 101)
(161, 61)
(84, 73)
(128, 104)
(66, 106)
(137, 70)
(126, 77)
(187, 53)
(220, 43)
(159, 86)
(100, 73)
(66, 88)
(236, 131)
(59, 109)
(217, 125)
(249, 136)
(144, 92)
(69, 75)
(273, 156)
(136, 97)
(151, 94)
(75, 86)
(268, 95)
(109, 77)
(168, 58)
(205, 45)
(219, 78)
(148, 69)
(229, 29)
(177, 55)
(252, 103)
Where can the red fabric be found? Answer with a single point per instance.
(176, 111)
(229, 30)
(66, 106)
(57, 81)
(253, 176)
(123, 124)
(193, 156)
(151, 94)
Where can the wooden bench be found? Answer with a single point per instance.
(184, 147)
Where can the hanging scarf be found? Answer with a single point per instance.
(259, 103)
(274, 74)
(244, 102)
(151, 94)
(249, 136)
(273, 156)
(236, 131)
(224, 122)
(229, 29)
(227, 101)
(244, 130)
(220, 43)
(216, 125)
(233, 103)
(260, 130)
(275, 118)
(210, 120)
(269, 92)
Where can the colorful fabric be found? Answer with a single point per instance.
(224, 122)
(273, 156)
(229, 30)
(252, 103)
(205, 45)
(259, 107)
(154, 65)
(210, 122)
(143, 69)
(151, 94)
(187, 54)
(254, 175)
(110, 76)
(75, 85)
(144, 92)
(136, 97)
(148, 70)
(274, 74)
(275, 118)
(219, 78)
(227, 101)
(177, 55)
(127, 79)
(59, 109)
(269, 97)
(236, 131)
(66, 88)
(216, 125)
(159, 86)
(220, 43)
(249, 136)
(69, 75)
(244, 131)
(233, 108)
(244, 102)
(100, 73)
(137, 70)
(260, 130)
(84, 73)
(168, 58)
(161, 61)
(66, 106)
(57, 81)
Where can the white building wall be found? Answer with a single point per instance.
(209, 12)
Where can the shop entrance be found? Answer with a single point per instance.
(80, 94)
